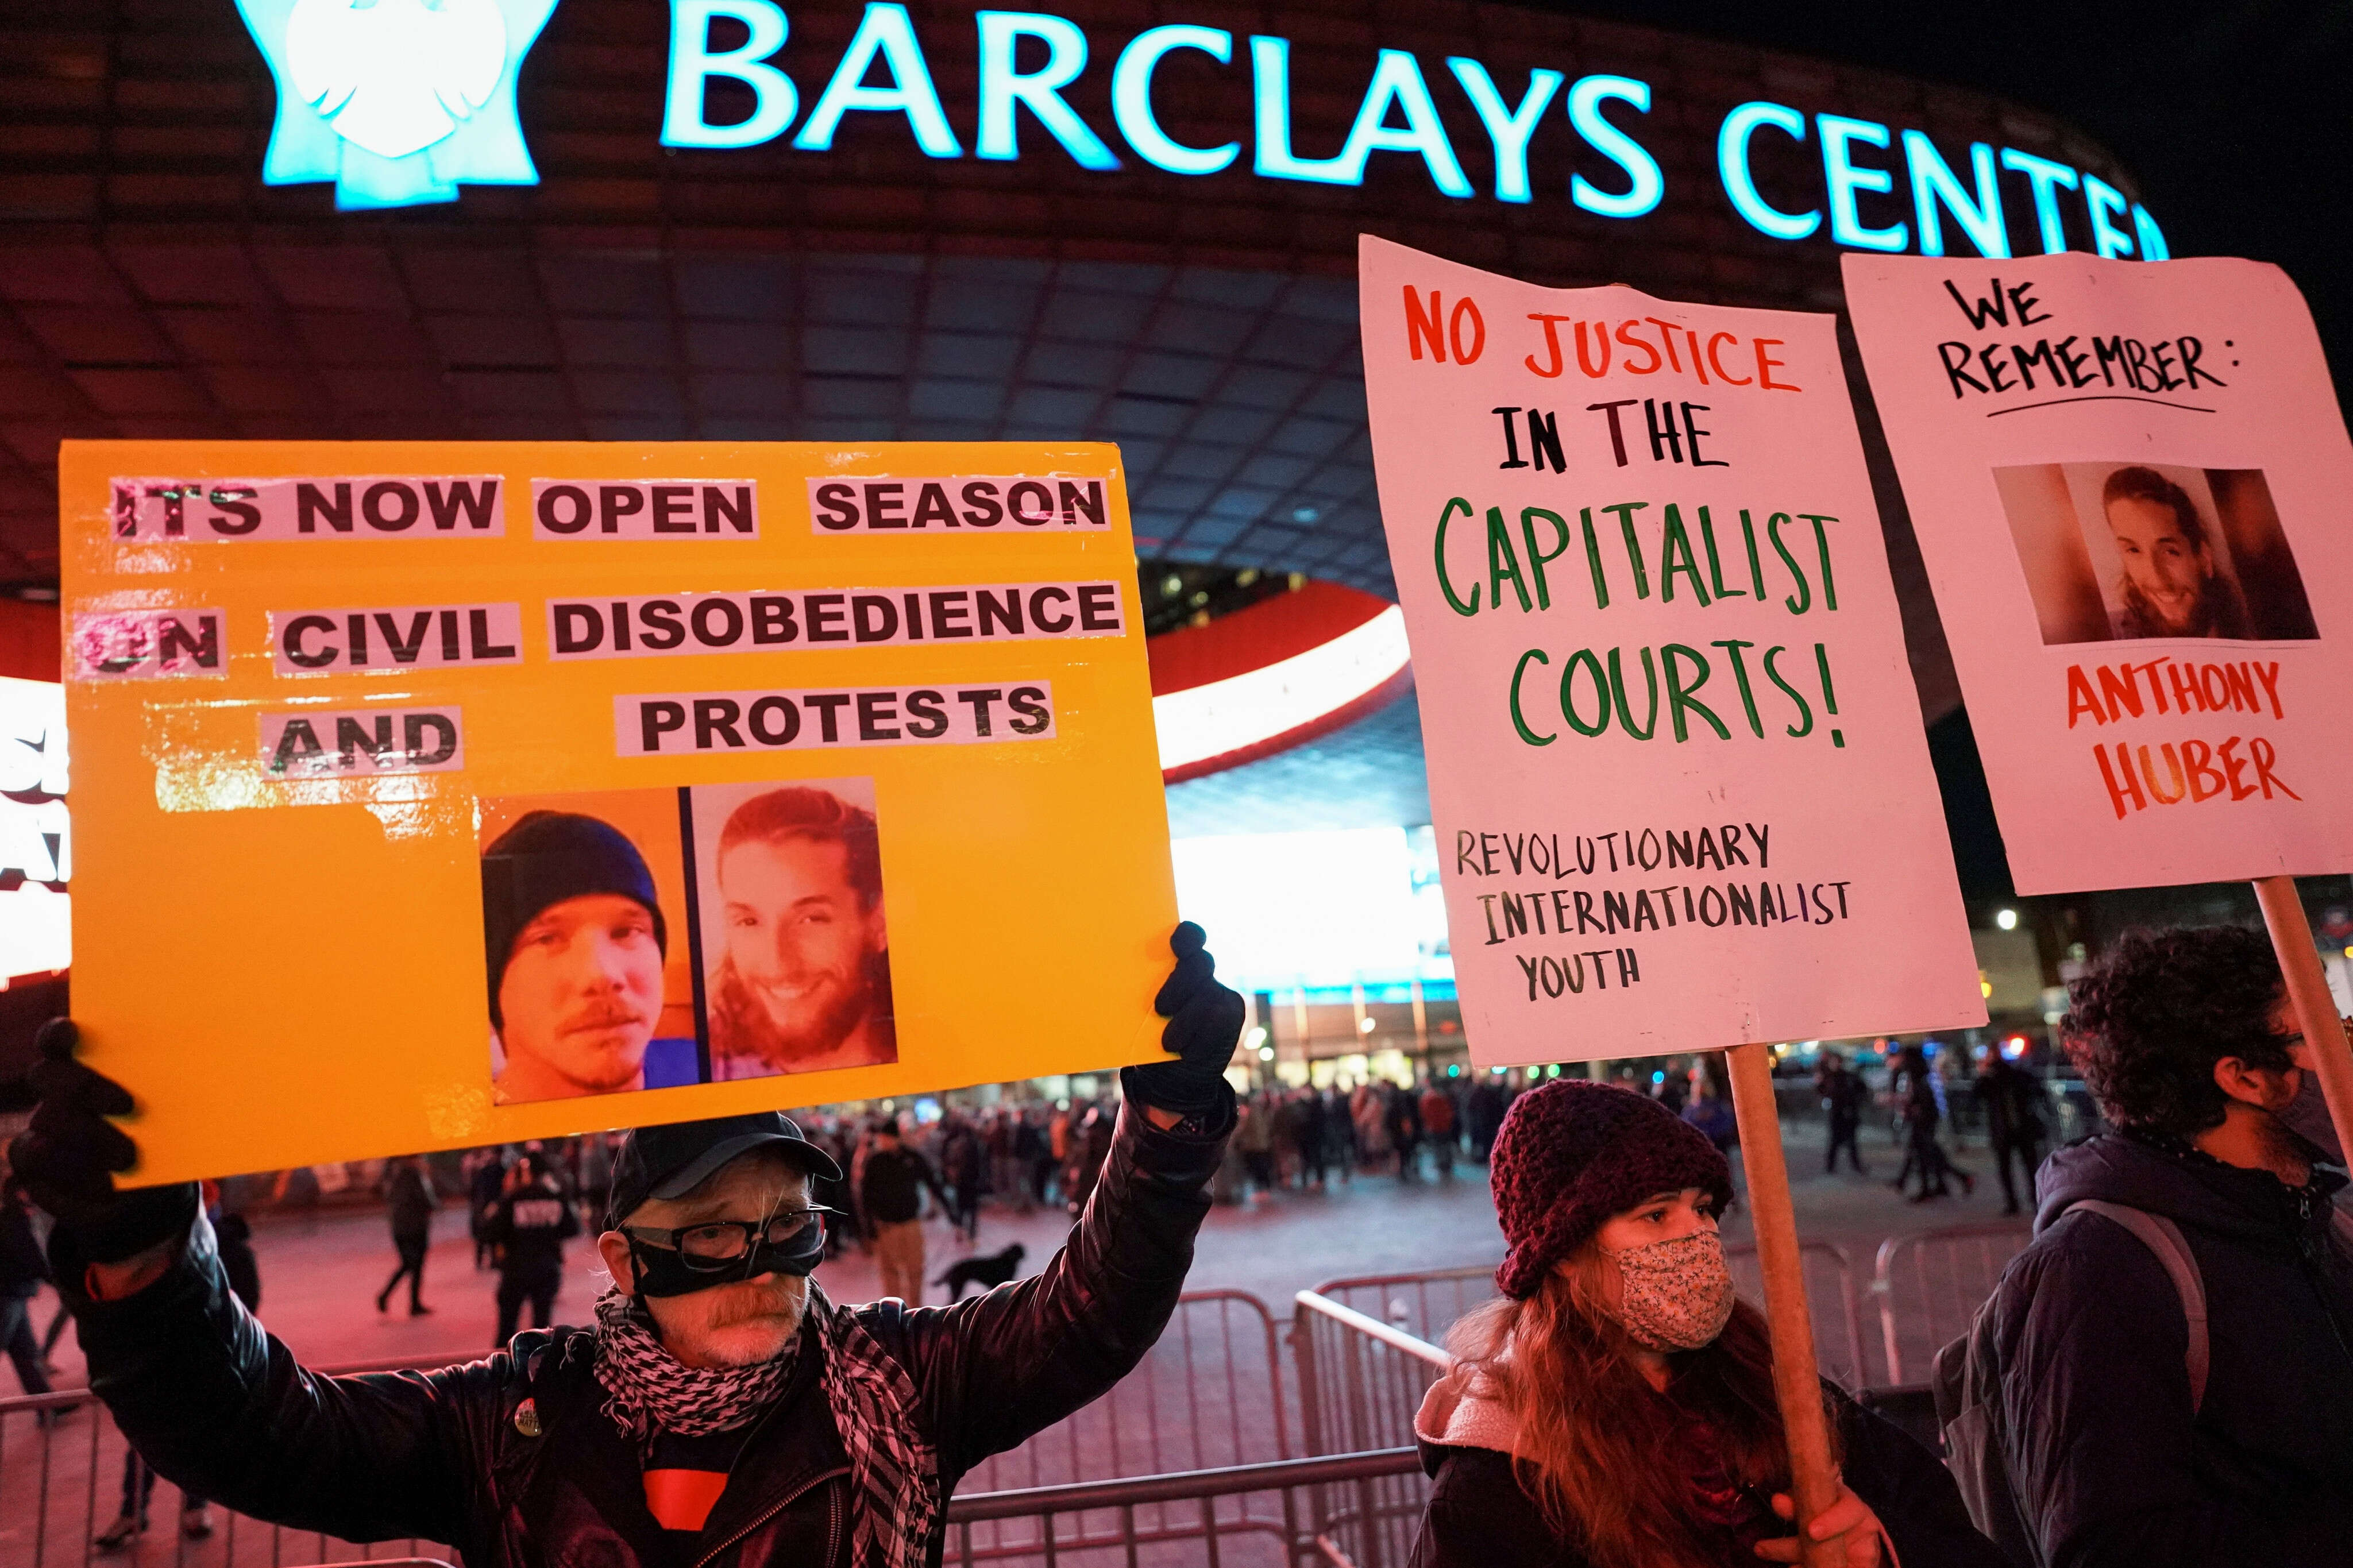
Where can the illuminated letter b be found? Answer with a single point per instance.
(775, 100)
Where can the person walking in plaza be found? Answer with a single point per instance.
(2131, 1432)
(1006, 1176)
(1368, 1113)
(23, 1272)
(1289, 1122)
(409, 1202)
(1315, 1138)
(1339, 1132)
(595, 1162)
(1058, 1132)
(1438, 1126)
(890, 1184)
(486, 1182)
(1091, 1141)
(1254, 1140)
(721, 1410)
(1032, 1160)
(1483, 1113)
(2011, 1099)
(1712, 1114)
(1843, 1098)
(963, 1169)
(1405, 1130)
(1613, 1407)
(1920, 1096)
(529, 1226)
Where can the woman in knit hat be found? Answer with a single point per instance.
(1614, 1407)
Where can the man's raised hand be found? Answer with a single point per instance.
(67, 1157)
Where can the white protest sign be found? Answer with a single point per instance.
(2128, 480)
(1681, 796)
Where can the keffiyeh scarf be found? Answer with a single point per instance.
(893, 1472)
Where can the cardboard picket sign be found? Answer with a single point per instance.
(2128, 482)
(725, 776)
(1683, 798)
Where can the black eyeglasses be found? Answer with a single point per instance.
(714, 1244)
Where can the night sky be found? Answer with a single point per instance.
(2232, 115)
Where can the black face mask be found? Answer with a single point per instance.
(664, 1270)
(2307, 1116)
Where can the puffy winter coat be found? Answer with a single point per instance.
(2110, 1465)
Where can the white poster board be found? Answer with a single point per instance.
(1681, 796)
(2129, 484)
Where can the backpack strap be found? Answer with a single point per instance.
(2164, 1238)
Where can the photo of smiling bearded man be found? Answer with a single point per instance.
(801, 962)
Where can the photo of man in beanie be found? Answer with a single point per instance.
(573, 940)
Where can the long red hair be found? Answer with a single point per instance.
(1598, 1447)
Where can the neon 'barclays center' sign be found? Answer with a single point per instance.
(400, 101)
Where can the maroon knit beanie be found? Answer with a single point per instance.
(1571, 1155)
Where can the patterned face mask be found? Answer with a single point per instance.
(1676, 1295)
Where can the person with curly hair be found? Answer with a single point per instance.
(2132, 1434)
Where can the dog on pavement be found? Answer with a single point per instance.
(986, 1273)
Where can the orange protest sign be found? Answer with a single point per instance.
(439, 794)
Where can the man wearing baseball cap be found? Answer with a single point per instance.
(722, 1411)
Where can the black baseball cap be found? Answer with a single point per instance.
(670, 1161)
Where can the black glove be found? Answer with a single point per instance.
(64, 1157)
(1205, 1023)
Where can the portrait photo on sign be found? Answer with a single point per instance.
(2121, 552)
(794, 951)
(584, 915)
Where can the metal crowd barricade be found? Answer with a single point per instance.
(1210, 1395)
(1930, 1284)
(1287, 1513)
(1835, 1303)
(62, 1467)
(1360, 1382)
(1424, 1304)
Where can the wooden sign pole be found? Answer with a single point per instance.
(2307, 991)
(1796, 1384)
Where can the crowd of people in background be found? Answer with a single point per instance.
(1298, 1138)
(526, 1202)
(1305, 1138)
(2006, 1099)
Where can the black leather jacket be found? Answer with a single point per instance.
(221, 1408)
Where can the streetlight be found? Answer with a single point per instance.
(2006, 919)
